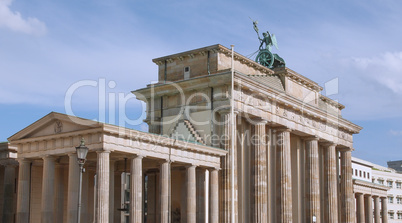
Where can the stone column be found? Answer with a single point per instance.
(312, 180)
(284, 176)
(384, 210)
(368, 208)
(48, 189)
(377, 209)
(165, 192)
(226, 180)
(8, 189)
(191, 194)
(360, 208)
(259, 176)
(102, 187)
(151, 199)
(331, 185)
(111, 189)
(24, 179)
(347, 198)
(136, 190)
(214, 196)
(59, 193)
(73, 185)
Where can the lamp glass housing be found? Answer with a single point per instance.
(82, 152)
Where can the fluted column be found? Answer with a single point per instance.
(260, 187)
(111, 189)
(312, 180)
(191, 194)
(368, 208)
(384, 210)
(8, 189)
(59, 193)
(347, 198)
(136, 190)
(284, 181)
(331, 185)
(377, 209)
(360, 208)
(24, 179)
(73, 184)
(48, 189)
(102, 186)
(214, 196)
(226, 179)
(165, 192)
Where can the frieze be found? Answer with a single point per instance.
(295, 115)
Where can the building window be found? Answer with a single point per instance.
(381, 181)
(360, 173)
(368, 175)
(389, 183)
(355, 172)
(399, 200)
(399, 215)
(391, 215)
(364, 174)
(391, 200)
(398, 185)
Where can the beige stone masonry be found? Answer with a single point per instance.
(312, 181)
(284, 179)
(260, 192)
(331, 184)
(136, 190)
(347, 198)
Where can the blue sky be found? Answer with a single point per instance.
(48, 46)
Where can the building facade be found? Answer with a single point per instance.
(280, 164)
(371, 198)
(391, 178)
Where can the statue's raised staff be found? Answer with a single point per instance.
(264, 56)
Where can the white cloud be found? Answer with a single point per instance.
(395, 132)
(386, 69)
(14, 21)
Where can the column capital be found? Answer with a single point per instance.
(328, 144)
(190, 166)
(214, 168)
(48, 157)
(102, 151)
(311, 138)
(9, 162)
(258, 121)
(282, 129)
(136, 156)
(226, 111)
(160, 162)
(24, 160)
(346, 149)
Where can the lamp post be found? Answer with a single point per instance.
(82, 152)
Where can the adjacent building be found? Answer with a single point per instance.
(270, 149)
(384, 183)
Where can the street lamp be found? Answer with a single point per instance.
(82, 151)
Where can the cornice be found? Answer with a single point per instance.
(161, 140)
(298, 78)
(214, 49)
(370, 185)
(296, 104)
(332, 102)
